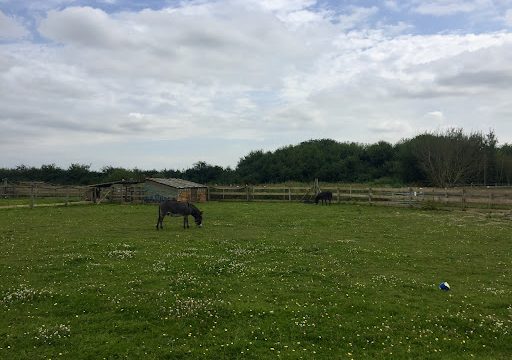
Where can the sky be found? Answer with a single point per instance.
(164, 84)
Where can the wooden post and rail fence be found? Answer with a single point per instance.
(463, 197)
(30, 194)
(35, 194)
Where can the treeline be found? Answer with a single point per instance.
(437, 159)
(444, 159)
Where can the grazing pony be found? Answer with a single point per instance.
(325, 197)
(177, 208)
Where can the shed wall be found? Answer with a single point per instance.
(193, 195)
(157, 192)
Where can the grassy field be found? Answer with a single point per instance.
(258, 281)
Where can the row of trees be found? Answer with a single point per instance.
(442, 159)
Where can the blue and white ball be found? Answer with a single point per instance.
(444, 286)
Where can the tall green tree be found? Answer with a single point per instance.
(110, 174)
(489, 158)
(204, 173)
(504, 164)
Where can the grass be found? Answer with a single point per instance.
(259, 280)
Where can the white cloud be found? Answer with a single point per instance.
(11, 29)
(180, 45)
(450, 7)
(382, 127)
(284, 5)
(436, 116)
(508, 17)
(358, 16)
(255, 73)
(392, 5)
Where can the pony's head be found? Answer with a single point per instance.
(198, 216)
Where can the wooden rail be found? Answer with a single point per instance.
(486, 197)
(409, 196)
(30, 194)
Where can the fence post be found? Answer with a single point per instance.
(370, 195)
(338, 193)
(289, 194)
(32, 200)
(463, 199)
(410, 197)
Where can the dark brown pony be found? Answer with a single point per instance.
(178, 208)
(325, 197)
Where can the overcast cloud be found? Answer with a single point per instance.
(164, 84)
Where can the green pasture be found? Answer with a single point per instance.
(258, 281)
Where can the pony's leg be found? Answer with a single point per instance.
(159, 221)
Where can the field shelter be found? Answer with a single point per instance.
(158, 189)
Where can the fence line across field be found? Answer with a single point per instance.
(487, 197)
(411, 196)
(40, 190)
(30, 194)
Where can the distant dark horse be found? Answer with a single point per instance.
(325, 197)
(177, 208)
